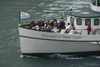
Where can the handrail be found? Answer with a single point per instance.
(22, 26)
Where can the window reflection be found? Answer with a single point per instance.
(79, 21)
(96, 22)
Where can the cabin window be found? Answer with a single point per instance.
(71, 20)
(94, 2)
(79, 21)
(98, 2)
(96, 22)
(87, 20)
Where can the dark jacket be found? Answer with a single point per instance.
(52, 24)
(62, 24)
(42, 24)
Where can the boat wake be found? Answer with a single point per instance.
(60, 56)
(98, 57)
(65, 56)
(28, 56)
(74, 57)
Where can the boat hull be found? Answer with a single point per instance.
(41, 43)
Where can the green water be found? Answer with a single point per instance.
(38, 9)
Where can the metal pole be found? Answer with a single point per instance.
(19, 17)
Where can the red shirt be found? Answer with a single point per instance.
(89, 28)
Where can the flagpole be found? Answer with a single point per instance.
(19, 17)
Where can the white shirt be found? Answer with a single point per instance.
(58, 21)
(66, 25)
(44, 25)
(37, 27)
(69, 27)
(62, 31)
(72, 32)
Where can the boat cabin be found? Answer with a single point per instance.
(81, 17)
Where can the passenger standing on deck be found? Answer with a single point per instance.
(62, 24)
(88, 28)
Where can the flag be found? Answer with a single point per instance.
(24, 15)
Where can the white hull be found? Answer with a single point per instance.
(33, 42)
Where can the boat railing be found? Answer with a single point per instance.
(93, 30)
(57, 30)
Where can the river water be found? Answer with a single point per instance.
(10, 55)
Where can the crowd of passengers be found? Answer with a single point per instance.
(52, 25)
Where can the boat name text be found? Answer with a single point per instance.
(62, 36)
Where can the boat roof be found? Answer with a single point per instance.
(84, 13)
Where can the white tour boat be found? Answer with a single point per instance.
(33, 42)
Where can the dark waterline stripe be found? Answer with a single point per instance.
(56, 40)
(65, 53)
